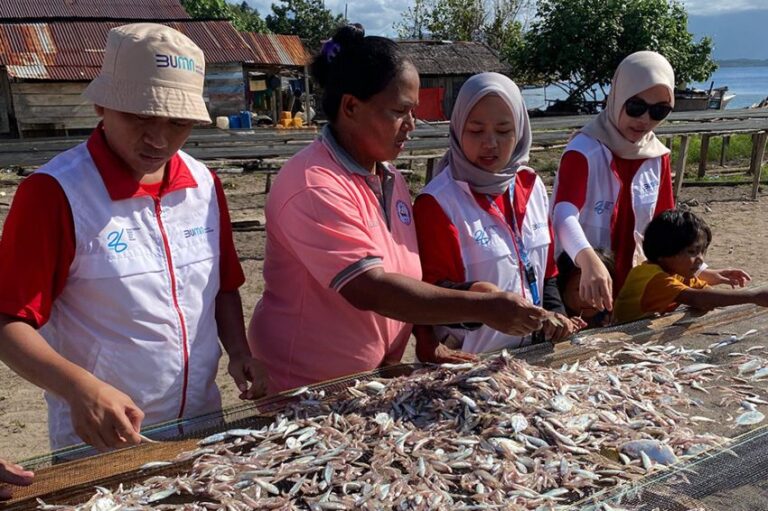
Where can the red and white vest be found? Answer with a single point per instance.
(603, 192)
(138, 308)
(488, 250)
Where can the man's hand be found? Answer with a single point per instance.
(13, 474)
(102, 416)
(249, 375)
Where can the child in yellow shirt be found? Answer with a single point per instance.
(675, 244)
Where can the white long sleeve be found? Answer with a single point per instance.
(565, 221)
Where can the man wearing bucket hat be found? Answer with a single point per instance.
(117, 264)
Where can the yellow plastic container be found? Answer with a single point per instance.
(285, 115)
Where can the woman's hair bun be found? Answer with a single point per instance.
(349, 35)
(351, 63)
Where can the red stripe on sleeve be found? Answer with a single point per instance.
(666, 198)
(572, 179)
(232, 276)
(439, 247)
(36, 250)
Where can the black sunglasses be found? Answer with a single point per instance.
(636, 107)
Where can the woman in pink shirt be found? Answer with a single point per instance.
(342, 274)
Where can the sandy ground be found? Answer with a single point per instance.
(740, 239)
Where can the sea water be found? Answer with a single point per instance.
(749, 84)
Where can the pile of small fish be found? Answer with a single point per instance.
(497, 434)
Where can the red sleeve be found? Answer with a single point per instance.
(666, 195)
(572, 179)
(439, 247)
(36, 250)
(551, 270)
(232, 276)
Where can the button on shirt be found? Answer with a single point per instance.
(329, 221)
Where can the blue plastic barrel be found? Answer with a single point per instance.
(245, 119)
(234, 122)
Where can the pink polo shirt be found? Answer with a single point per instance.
(328, 221)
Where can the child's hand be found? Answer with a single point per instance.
(562, 328)
(732, 276)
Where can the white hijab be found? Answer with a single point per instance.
(636, 73)
(473, 90)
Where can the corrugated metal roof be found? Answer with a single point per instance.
(278, 50)
(452, 58)
(116, 9)
(74, 50)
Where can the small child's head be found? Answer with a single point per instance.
(677, 241)
(568, 277)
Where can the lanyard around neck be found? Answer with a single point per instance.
(529, 273)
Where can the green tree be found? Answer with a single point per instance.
(242, 16)
(309, 19)
(577, 44)
(461, 20)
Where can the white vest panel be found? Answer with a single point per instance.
(117, 316)
(488, 250)
(603, 188)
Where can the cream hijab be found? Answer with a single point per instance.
(636, 73)
(473, 90)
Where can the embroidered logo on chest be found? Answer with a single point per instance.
(117, 241)
(482, 238)
(403, 212)
(197, 231)
(603, 206)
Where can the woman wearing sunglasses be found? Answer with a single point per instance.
(615, 176)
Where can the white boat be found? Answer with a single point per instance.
(687, 100)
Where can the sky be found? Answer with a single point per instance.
(737, 26)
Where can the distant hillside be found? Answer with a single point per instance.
(742, 63)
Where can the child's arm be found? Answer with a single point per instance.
(709, 297)
(732, 276)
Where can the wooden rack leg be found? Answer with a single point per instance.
(703, 155)
(680, 164)
(724, 149)
(757, 163)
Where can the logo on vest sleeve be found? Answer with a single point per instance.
(197, 231)
(603, 206)
(539, 225)
(115, 241)
(403, 212)
(649, 187)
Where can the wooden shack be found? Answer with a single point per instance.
(277, 58)
(50, 50)
(443, 67)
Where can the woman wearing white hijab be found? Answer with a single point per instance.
(615, 176)
(484, 219)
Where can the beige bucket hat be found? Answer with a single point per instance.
(151, 69)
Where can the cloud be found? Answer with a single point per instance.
(377, 16)
(710, 8)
